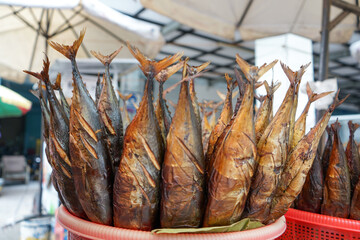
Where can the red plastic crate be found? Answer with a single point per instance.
(306, 225)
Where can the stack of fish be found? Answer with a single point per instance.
(156, 173)
(332, 186)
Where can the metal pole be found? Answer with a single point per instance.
(324, 56)
(324, 44)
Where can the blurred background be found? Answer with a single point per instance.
(295, 32)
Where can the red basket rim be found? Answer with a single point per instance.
(323, 220)
(97, 231)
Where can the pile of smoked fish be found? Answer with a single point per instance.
(332, 186)
(180, 170)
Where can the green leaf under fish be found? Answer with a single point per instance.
(244, 224)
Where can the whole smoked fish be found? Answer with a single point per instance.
(161, 109)
(59, 146)
(337, 189)
(273, 151)
(265, 113)
(183, 172)
(311, 195)
(352, 156)
(298, 165)
(109, 111)
(91, 167)
(234, 158)
(137, 181)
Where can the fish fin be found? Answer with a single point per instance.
(274, 86)
(314, 96)
(294, 77)
(264, 68)
(240, 81)
(67, 50)
(259, 84)
(57, 84)
(229, 82)
(149, 67)
(106, 59)
(201, 67)
(124, 97)
(36, 93)
(221, 95)
(253, 71)
(337, 102)
(44, 74)
(353, 126)
(336, 125)
(166, 73)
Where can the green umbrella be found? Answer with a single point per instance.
(12, 104)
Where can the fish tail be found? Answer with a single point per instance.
(44, 74)
(337, 102)
(314, 96)
(149, 67)
(66, 50)
(106, 60)
(229, 82)
(124, 97)
(336, 126)
(168, 72)
(353, 127)
(272, 89)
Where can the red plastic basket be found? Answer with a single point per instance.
(306, 225)
(80, 229)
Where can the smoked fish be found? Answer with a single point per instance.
(300, 124)
(327, 149)
(90, 164)
(224, 119)
(137, 181)
(352, 156)
(298, 165)
(59, 146)
(183, 172)
(265, 113)
(337, 188)
(109, 111)
(311, 195)
(234, 158)
(355, 203)
(272, 152)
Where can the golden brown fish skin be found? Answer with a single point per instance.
(109, 111)
(193, 70)
(161, 110)
(183, 168)
(58, 146)
(64, 103)
(265, 112)
(234, 159)
(272, 151)
(325, 158)
(91, 166)
(298, 76)
(311, 195)
(337, 189)
(137, 181)
(352, 156)
(300, 124)
(298, 165)
(205, 126)
(224, 119)
(355, 203)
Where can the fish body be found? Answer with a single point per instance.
(184, 167)
(109, 111)
(352, 156)
(298, 165)
(355, 203)
(325, 158)
(137, 181)
(91, 166)
(337, 189)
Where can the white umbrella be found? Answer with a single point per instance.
(25, 27)
(253, 18)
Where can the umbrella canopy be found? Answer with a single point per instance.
(12, 104)
(253, 18)
(25, 27)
